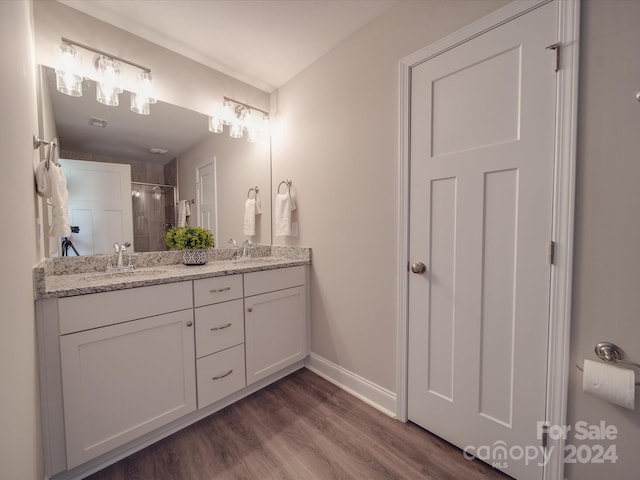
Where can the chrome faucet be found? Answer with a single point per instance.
(235, 247)
(245, 248)
(120, 251)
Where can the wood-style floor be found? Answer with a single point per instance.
(299, 428)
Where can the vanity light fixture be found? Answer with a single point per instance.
(108, 87)
(68, 78)
(107, 75)
(240, 118)
(144, 95)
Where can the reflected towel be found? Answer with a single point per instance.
(250, 217)
(285, 204)
(183, 212)
(59, 197)
(258, 204)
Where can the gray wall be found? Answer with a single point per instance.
(20, 455)
(336, 137)
(338, 142)
(606, 295)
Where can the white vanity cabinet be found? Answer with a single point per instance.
(124, 361)
(122, 369)
(219, 338)
(276, 332)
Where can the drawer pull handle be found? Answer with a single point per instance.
(218, 377)
(218, 290)
(221, 327)
(189, 323)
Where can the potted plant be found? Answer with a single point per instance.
(194, 242)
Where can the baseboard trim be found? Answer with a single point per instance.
(367, 391)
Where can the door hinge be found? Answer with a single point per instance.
(556, 48)
(545, 435)
(552, 252)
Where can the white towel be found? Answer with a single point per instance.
(43, 182)
(250, 217)
(59, 197)
(184, 210)
(285, 204)
(258, 204)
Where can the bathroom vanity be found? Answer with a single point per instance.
(127, 360)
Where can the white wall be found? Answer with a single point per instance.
(606, 297)
(336, 138)
(20, 454)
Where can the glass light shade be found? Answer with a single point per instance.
(228, 115)
(236, 130)
(108, 86)
(145, 87)
(107, 96)
(69, 83)
(68, 79)
(252, 134)
(216, 125)
(140, 104)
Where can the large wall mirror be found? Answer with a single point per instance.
(170, 156)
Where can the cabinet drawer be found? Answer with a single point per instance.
(218, 289)
(101, 309)
(220, 374)
(271, 280)
(218, 327)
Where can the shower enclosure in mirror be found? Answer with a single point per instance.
(154, 213)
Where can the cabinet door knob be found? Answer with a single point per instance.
(250, 309)
(189, 323)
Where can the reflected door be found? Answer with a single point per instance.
(206, 178)
(99, 203)
(482, 156)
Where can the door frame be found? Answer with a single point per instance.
(562, 215)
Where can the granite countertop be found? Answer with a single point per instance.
(73, 276)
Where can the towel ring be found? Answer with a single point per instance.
(255, 192)
(287, 182)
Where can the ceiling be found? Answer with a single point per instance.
(264, 43)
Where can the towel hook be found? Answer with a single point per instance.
(287, 182)
(38, 142)
(255, 190)
(50, 156)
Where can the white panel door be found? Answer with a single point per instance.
(206, 178)
(482, 157)
(100, 204)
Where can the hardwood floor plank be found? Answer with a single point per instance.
(300, 428)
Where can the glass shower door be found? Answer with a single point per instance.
(154, 212)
